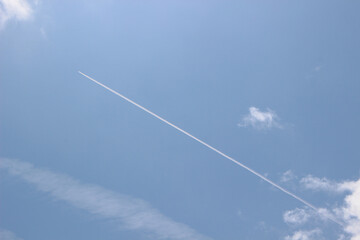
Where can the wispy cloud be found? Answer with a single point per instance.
(317, 68)
(14, 9)
(260, 120)
(8, 235)
(287, 176)
(43, 33)
(315, 234)
(130, 213)
(297, 216)
(324, 184)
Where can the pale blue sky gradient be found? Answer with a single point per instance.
(200, 65)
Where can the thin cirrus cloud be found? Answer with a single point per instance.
(19, 10)
(130, 213)
(8, 235)
(348, 212)
(260, 120)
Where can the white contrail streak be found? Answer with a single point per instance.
(214, 149)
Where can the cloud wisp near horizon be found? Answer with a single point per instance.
(129, 212)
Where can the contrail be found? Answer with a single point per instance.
(216, 150)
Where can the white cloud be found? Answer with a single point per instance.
(324, 184)
(314, 234)
(288, 176)
(326, 214)
(14, 9)
(351, 209)
(348, 213)
(8, 235)
(130, 213)
(260, 120)
(297, 216)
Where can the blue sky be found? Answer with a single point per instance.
(273, 84)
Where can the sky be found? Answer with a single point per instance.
(273, 84)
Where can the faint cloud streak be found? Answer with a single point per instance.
(8, 235)
(317, 68)
(130, 213)
(43, 33)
